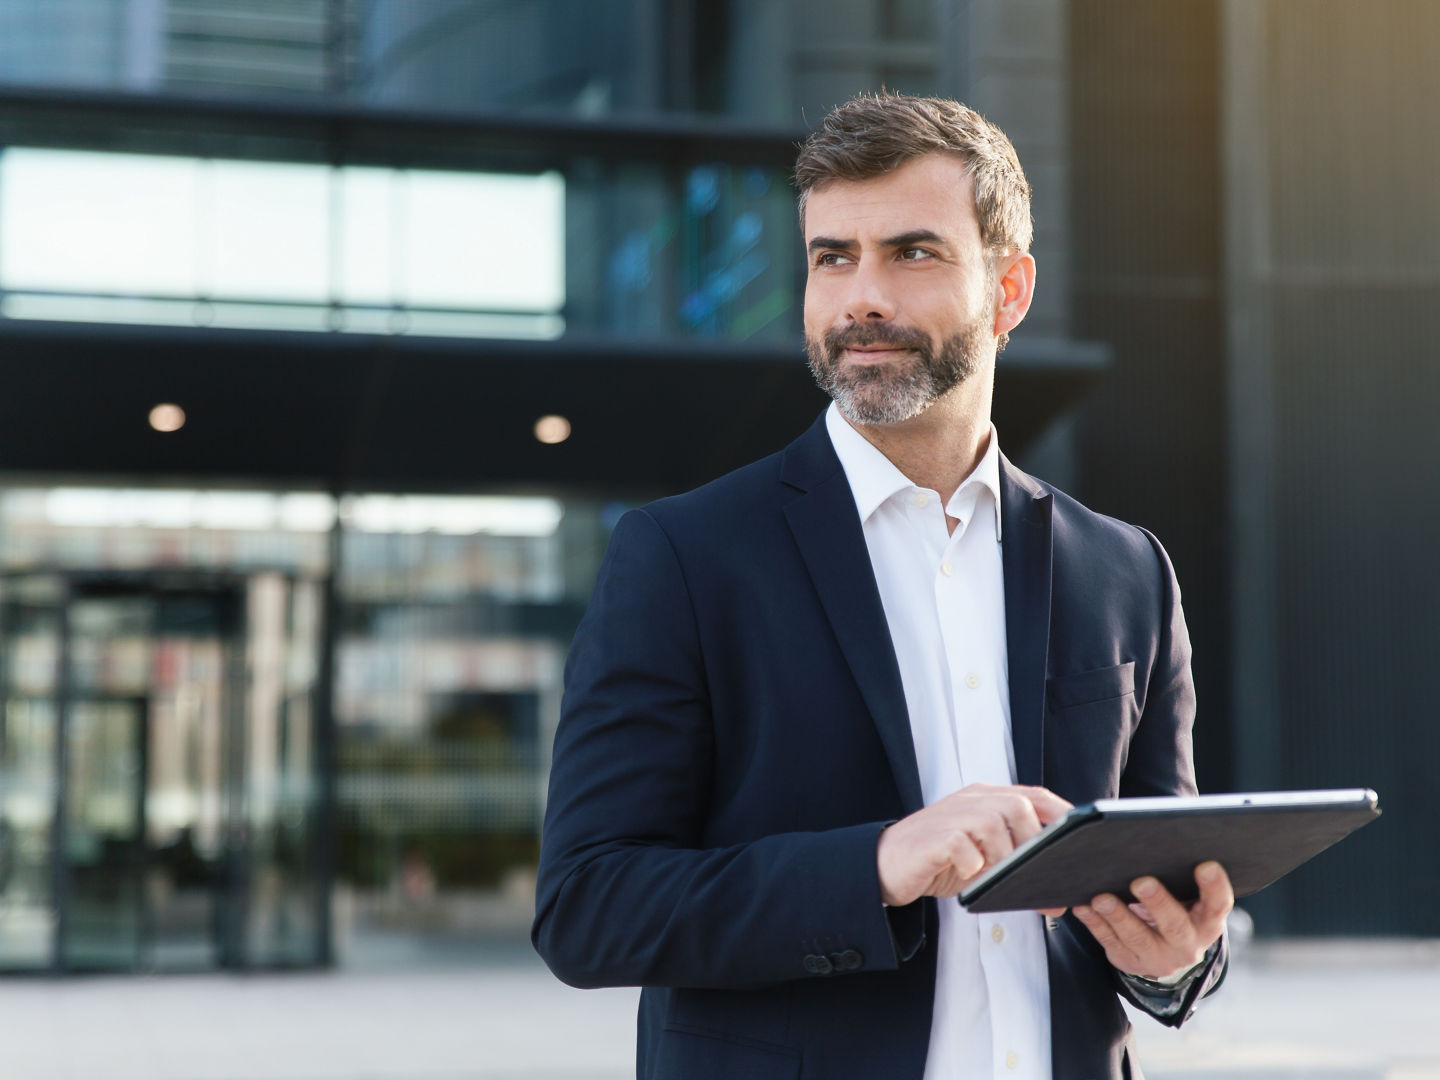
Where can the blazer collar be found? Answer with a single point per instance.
(810, 460)
(826, 527)
(1025, 508)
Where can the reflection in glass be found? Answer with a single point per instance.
(150, 238)
(710, 252)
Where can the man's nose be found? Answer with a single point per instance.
(870, 297)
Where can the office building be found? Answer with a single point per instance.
(336, 334)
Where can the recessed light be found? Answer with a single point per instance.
(167, 417)
(552, 429)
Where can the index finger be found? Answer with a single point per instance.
(1048, 805)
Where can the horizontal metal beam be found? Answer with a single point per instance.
(60, 117)
(360, 412)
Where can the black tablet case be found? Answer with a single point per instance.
(1092, 853)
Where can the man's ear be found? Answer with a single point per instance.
(1014, 289)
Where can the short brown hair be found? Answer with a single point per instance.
(873, 134)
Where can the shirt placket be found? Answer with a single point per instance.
(979, 732)
(925, 518)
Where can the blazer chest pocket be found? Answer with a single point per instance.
(1087, 741)
(1086, 687)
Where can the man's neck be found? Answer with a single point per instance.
(938, 448)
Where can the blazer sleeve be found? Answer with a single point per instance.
(1161, 762)
(628, 893)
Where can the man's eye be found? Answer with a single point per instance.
(831, 258)
(915, 254)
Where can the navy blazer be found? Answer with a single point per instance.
(734, 736)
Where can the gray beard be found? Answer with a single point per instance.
(893, 392)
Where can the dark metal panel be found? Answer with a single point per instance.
(282, 131)
(1358, 380)
(59, 868)
(1344, 284)
(326, 762)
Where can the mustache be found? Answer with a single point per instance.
(838, 339)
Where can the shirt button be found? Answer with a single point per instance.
(972, 680)
(945, 569)
(1012, 1060)
(920, 498)
(997, 934)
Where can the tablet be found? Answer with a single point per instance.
(1103, 846)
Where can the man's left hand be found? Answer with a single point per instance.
(1160, 937)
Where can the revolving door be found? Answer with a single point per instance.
(158, 788)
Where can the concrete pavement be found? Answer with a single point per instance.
(1332, 1010)
(1341, 1010)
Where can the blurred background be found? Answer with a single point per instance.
(336, 335)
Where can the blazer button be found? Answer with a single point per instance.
(816, 964)
(849, 960)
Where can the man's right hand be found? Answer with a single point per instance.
(938, 850)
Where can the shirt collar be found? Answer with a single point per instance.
(874, 478)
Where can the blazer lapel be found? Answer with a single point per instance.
(827, 530)
(1025, 553)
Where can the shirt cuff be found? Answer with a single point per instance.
(1179, 977)
(1165, 996)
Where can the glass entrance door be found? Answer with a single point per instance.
(149, 713)
(157, 771)
(195, 723)
(102, 853)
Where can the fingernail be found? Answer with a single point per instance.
(1105, 904)
(1208, 871)
(1082, 912)
(1146, 886)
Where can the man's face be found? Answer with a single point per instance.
(900, 300)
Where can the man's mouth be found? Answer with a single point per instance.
(874, 354)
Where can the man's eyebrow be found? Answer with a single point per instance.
(905, 239)
(914, 236)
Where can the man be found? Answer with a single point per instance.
(812, 699)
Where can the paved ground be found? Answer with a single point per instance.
(1343, 1010)
(1331, 1011)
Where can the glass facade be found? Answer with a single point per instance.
(594, 250)
(165, 723)
(496, 234)
(264, 726)
(765, 62)
(709, 252)
(149, 238)
(176, 709)
(158, 793)
(443, 701)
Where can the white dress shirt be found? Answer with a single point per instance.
(944, 601)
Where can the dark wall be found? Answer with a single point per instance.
(1147, 273)
(1257, 235)
(1351, 295)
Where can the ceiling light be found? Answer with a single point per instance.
(552, 429)
(167, 417)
